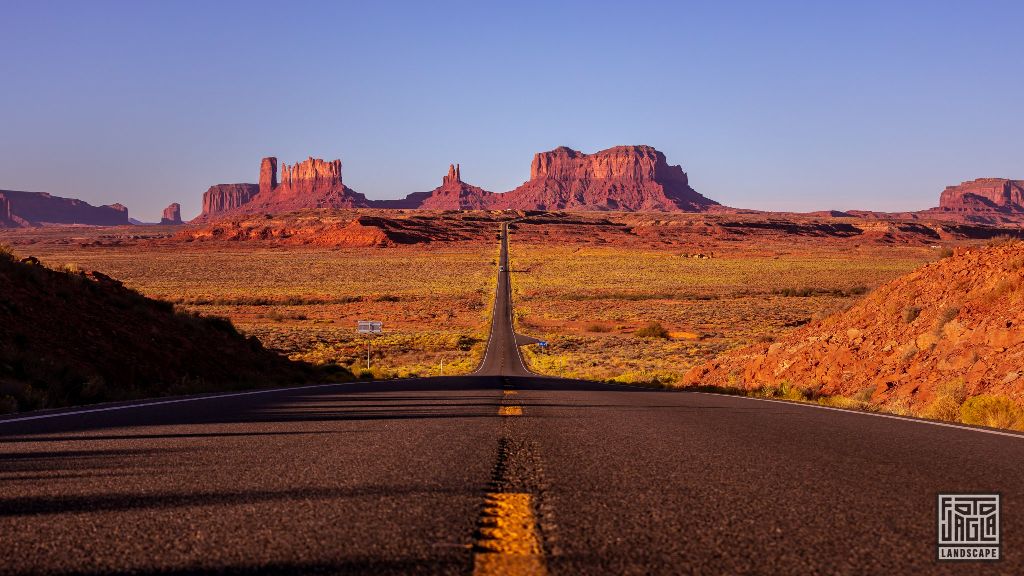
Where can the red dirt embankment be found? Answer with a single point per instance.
(958, 320)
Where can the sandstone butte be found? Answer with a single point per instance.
(171, 214)
(984, 195)
(19, 209)
(626, 178)
(957, 320)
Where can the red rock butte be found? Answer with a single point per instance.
(984, 195)
(171, 214)
(626, 178)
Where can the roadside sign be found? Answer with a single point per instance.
(543, 343)
(370, 327)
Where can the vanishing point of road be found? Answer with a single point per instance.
(497, 472)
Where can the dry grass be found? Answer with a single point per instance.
(434, 302)
(706, 306)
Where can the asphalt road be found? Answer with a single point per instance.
(391, 478)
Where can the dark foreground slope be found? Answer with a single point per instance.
(70, 338)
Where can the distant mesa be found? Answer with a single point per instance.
(221, 198)
(624, 178)
(23, 209)
(984, 195)
(312, 183)
(172, 214)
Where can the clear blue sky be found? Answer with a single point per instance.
(769, 105)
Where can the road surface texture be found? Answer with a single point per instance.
(498, 472)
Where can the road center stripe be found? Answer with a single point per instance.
(508, 542)
(510, 411)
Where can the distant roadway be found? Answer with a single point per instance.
(498, 472)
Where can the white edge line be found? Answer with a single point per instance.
(171, 401)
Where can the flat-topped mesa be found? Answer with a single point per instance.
(984, 194)
(632, 163)
(20, 208)
(172, 214)
(631, 178)
(221, 198)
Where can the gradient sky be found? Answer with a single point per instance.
(768, 105)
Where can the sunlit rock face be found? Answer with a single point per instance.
(629, 178)
(222, 198)
(984, 194)
(171, 214)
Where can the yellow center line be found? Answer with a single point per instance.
(510, 411)
(510, 392)
(508, 541)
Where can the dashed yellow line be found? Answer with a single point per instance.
(510, 411)
(510, 392)
(508, 542)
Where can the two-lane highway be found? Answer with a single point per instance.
(500, 471)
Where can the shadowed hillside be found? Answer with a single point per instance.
(67, 337)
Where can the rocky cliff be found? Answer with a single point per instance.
(38, 208)
(172, 214)
(984, 194)
(627, 178)
(222, 198)
(312, 183)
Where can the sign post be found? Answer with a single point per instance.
(370, 327)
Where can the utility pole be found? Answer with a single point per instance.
(442, 365)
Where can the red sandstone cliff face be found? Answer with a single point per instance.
(313, 183)
(627, 178)
(37, 208)
(172, 214)
(984, 194)
(221, 198)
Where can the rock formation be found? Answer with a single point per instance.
(313, 183)
(38, 208)
(221, 198)
(627, 178)
(268, 175)
(454, 194)
(172, 214)
(985, 195)
(453, 177)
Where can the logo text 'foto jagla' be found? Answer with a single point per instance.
(968, 527)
